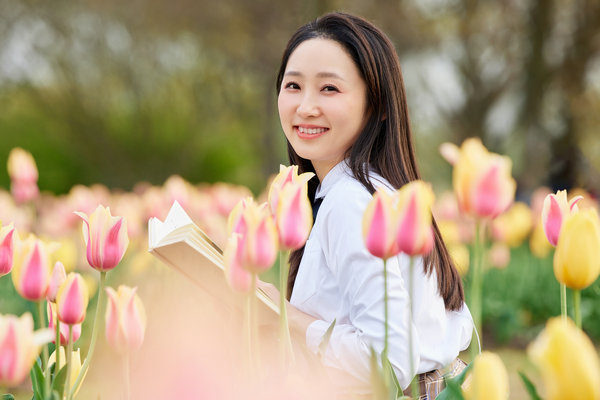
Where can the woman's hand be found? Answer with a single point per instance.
(298, 321)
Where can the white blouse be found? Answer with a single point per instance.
(339, 279)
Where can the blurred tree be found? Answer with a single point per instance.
(112, 92)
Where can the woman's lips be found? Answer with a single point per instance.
(312, 132)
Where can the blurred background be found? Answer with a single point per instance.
(136, 104)
(120, 93)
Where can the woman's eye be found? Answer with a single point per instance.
(330, 88)
(292, 85)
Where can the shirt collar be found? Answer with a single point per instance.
(332, 177)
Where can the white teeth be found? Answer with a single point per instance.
(311, 131)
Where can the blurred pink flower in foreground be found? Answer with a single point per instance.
(482, 180)
(23, 175)
(6, 249)
(294, 216)
(555, 210)
(19, 347)
(72, 300)
(379, 225)
(105, 238)
(31, 271)
(415, 233)
(237, 277)
(125, 319)
(64, 328)
(286, 175)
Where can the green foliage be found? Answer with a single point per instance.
(518, 300)
(531, 390)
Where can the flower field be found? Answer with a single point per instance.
(75, 270)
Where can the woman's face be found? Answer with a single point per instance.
(322, 102)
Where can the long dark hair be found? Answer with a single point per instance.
(385, 143)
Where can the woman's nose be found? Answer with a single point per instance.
(308, 106)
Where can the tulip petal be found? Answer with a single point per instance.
(113, 251)
(378, 231)
(553, 220)
(33, 277)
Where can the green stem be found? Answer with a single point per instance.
(563, 301)
(99, 308)
(69, 354)
(577, 305)
(127, 387)
(57, 347)
(414, 391)
(42, 324)
(384, 353)
(285, 341)
(476, 282)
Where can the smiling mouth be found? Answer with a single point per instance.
(310, 131)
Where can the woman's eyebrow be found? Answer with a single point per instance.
(323, 74)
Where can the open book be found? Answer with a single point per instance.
(182, 245)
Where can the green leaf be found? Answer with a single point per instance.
(529, 386)
(378, 385)
(453, 390)
(325, 340)
(58, 384)
(8, 396)
(37, 381)
(391, 377)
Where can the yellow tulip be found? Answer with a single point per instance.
(75, 364)
(538, 243)
(460, 255)
(513, 227)
(489, 379)
(568, 361)
(577, 256)
(482, 180)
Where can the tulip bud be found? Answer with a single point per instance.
(482, 180)
(286, 175)
(125, 319)
(238, 278)
(415, 234)
(379, 226)
(6, 249)
(577, 256)
(235, 222)
(58, 277)
(64, 328)
(554, 211)
(567, 360)
(489, 379)
(23, 175)
(294, 216)
(105, 238)
(72, 300)
(31, 271)
(19, 347)
(75, 364)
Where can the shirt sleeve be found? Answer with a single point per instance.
(360, 280)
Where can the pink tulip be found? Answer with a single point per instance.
(72, 300)
(285, 176)
(235, 222)
(379, 226)
(294, 216)
(6, 249)
(105, 238)
(59, 275)
(31, 271)
(125, 319)
(415, 234)
(23, 175)
(554, 211)
(258, 241)
(238, 278)
(19, 347)
(64, 328)
(482, 180)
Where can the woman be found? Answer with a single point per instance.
(343, 109)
